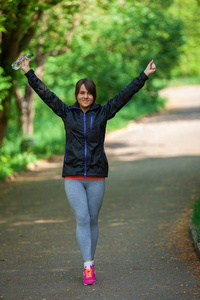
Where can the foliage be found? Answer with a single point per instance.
(190, 55)
(48, 141)
(19, 21)
(56, 25)
(180, 81)
(12, 159)
(10, 165)
(5, 81)
(5, 84)
(113, 46)
(196, 217)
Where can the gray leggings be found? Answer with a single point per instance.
(85, 198)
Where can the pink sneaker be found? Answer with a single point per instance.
(88, 277)
(94, 274)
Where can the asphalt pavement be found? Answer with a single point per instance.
(153, 182)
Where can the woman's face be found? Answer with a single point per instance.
(84, 98)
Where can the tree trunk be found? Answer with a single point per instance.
(26, 110)
(25, 103)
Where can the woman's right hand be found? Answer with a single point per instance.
(24, 65)
(150, 69)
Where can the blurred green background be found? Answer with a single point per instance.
(110, 42)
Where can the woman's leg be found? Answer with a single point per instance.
(76, 194)
(95, 192)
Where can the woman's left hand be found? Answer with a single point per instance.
(151, 68)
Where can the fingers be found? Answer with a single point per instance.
(152, 65)
(24, 62)
(151, 68)
(151, 62)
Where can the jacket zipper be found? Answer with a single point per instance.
(85, 168)
(91, 122)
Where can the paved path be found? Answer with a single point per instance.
(144, 251)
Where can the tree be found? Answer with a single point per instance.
(113, 45)
(56, 25)
(190, 56)
(5, 81)
(16, 37)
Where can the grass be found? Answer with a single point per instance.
(133, 111)
(183, 81)
(196, 218)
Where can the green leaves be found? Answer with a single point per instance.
(196, 218)
(113, 45)
(188, 64)
(5, 84)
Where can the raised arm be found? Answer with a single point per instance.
(118, 101)
(49, 98)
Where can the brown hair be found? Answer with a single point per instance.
(89, 85)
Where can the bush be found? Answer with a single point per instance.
(10, 164)
(196, 217)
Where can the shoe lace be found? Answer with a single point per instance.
(88, 273)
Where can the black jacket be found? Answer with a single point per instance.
(85, 132)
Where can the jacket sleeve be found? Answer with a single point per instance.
(49, 98)
(117, 102)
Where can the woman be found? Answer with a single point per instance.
(85, 165)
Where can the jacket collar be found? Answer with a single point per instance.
(76, 106)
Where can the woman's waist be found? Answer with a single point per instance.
(82, 177)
